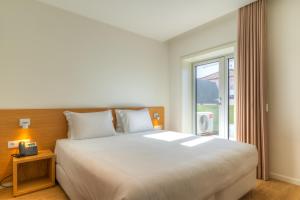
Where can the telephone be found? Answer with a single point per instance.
(27, 148)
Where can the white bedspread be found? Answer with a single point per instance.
(153, 166)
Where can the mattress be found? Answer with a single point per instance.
(153, 165)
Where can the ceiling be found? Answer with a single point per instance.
(157, 19)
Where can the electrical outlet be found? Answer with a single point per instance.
(15, 143)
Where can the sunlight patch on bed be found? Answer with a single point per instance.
(197, 141)
(168, 136)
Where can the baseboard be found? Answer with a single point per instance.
(284, 178)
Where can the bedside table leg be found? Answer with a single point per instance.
(15, 178)
(52, 170)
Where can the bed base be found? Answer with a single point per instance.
(233, 192)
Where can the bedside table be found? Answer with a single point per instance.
(33, 173)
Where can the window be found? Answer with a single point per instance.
(214, 100)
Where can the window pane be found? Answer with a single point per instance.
(207, 99)
(231, 93)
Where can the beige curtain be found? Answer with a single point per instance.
(251, 79)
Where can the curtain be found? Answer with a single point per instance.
(251, 82)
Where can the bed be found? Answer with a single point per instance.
(155, 165)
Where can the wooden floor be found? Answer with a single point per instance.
(270, 190)
(274, 190)
(54, 193)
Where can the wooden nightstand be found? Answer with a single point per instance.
(33, 173)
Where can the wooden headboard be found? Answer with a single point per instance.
(47, 125)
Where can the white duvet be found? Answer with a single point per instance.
(153, 166)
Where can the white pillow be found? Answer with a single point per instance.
(89, 125)
(136, 120)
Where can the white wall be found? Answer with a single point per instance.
(284, 92)
(52, 58)
(214, 34)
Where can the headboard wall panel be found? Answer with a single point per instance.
(47, 125)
